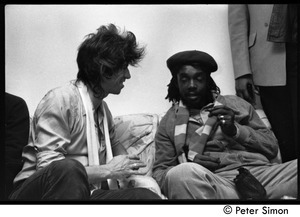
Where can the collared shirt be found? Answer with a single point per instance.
(59, 131)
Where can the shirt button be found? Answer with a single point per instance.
(266, 24)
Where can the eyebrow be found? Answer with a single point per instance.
(202, 74)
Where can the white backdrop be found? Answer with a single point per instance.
(41, 44)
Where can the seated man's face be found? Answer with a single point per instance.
(192, 84)
(115, 84)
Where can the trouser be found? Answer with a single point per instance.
(124, 194)
(280, 106)
(193, 181)
(67, 180)
(11, 170)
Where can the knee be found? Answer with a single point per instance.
(146, 182)
(145, 194)
(184, 172)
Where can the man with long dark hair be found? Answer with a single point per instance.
(205, 138)
(73, 149)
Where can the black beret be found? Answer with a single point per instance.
(203, 59)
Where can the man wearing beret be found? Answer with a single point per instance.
(205, 137)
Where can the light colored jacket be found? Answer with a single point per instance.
(251, 52)
(58, 131)
(254, 145)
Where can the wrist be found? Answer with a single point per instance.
(98, 173)
(191, 155)
(237, 132)
(233, 131)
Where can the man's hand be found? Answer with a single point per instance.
(207, 161)
(245, 88)
(226, 119)
(123, 166)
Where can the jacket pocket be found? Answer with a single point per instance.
(251, 39)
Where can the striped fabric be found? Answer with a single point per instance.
(199, 137)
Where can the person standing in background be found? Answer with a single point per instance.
(263, 42)
(16, 137)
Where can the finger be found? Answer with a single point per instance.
(136, 166)
(135, 161)
(223, 122)
(217, 112)
(240, 94)
(217, 108)
(206, 157)
(208, 164)
(247, 95)
(256, 90)
(221, 109)
(138, 172)
(213, 167)
(133, 157)
(224, 117)
(225, 109)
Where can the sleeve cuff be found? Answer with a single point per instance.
(237, 132)
(46, 157)
(241, 134)
(191, 155)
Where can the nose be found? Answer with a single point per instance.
(127, 74)
(192, 84)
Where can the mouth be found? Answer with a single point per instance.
(192, 96)
(122, 83)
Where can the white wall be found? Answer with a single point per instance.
(41, 44)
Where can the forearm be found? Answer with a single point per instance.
(98, 173)
(261, 140)
(252, 133)
(119, 167)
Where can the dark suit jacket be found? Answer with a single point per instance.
(16, 137)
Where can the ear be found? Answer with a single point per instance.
(107, 76)
(106, 73)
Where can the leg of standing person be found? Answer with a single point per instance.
(278, 108)
(61, 180)
(292, 82)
